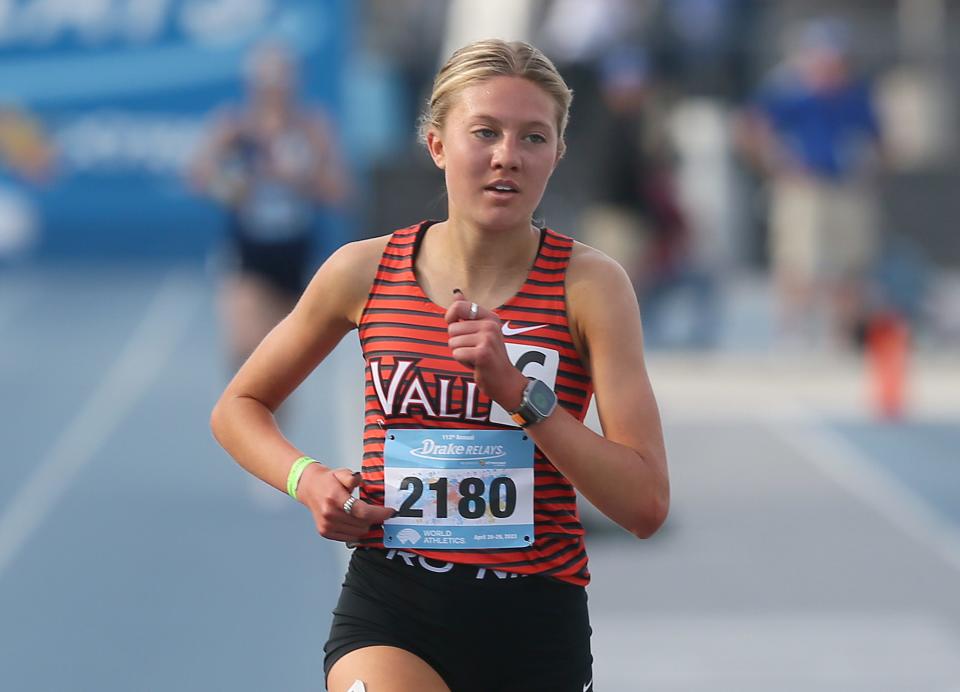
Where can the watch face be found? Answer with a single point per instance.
(541, 398)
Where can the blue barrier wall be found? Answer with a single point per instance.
(122, 90)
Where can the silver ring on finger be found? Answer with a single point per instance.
(474, 309)
(348, 505)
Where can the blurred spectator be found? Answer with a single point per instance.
(407, 34)
(636, 216)
(27, 159)
(577, 35)
(703, 44)
(813, 131)
(270, 163)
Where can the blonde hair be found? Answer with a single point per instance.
(488, 58)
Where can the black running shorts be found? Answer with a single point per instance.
(284, 265)
(481, 630)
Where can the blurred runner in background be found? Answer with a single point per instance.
(814, 132)
(636, 215)
(270, 162)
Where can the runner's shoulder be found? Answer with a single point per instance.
(586, 260)
(598, 290)
(350, 271)
(593, 274)
(361, 256)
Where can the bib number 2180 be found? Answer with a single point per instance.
(475, 497)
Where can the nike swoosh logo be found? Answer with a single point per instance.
(513, 331)
(588, 686)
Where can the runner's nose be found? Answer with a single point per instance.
(506, 155)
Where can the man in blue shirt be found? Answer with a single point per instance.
(813, 131)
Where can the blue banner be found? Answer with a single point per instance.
(118, 94)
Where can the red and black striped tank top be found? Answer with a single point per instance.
(413, 381)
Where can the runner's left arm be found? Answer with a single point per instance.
(624, 471)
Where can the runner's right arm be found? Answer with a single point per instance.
(242, 420)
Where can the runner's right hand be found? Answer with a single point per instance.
(325, 490)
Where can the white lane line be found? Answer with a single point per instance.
(846, 465)
(131, 376)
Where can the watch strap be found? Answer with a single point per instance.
(519, 418)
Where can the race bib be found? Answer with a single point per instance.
(458, 489)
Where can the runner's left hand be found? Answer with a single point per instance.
(478, 344)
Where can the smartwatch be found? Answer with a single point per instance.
(538, 403)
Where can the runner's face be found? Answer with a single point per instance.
(498, 148)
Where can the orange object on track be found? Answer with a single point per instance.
(888, 348)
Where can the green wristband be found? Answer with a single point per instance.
(293, 479)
